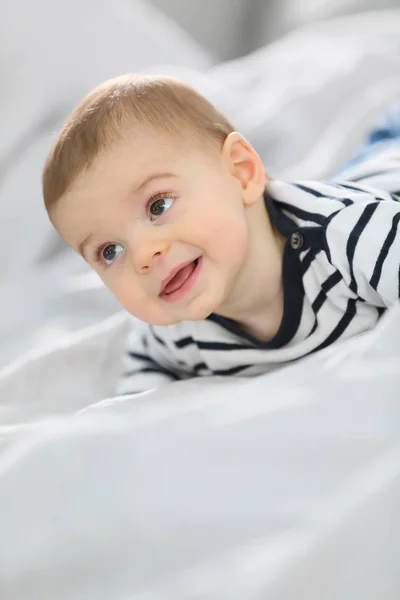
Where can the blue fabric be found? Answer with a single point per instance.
(385, 132)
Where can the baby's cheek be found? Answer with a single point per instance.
(128, 297)
(227, 241)
(138, 304)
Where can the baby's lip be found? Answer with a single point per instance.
(172, 274)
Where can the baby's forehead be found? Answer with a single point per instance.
(137, 152)
(142, 150)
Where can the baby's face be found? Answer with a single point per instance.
(165, 228)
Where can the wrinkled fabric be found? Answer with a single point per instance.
(278, 487)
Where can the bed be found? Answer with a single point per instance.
(283, 486)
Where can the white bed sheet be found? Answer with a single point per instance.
(194, 493)
(284, 486)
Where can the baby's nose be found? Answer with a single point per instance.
(147, 252)
(143, 268)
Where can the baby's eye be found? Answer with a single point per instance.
(159, 206)
(110, 253)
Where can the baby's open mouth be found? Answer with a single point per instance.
(179, 283)
(179, 278)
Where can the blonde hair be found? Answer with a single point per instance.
(128, 101)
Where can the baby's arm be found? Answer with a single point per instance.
(363, 240)
(363, 243)
(148, 362)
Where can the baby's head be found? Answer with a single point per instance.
(156, 190)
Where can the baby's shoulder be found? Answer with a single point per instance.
(312, 202)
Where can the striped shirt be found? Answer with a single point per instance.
(341, 270)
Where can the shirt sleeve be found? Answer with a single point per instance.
(148, 362)
(363, 243)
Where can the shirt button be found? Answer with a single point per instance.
(296, 240)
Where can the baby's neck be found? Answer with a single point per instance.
(257, 302)
(265, 324)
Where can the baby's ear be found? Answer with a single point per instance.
(245, 165)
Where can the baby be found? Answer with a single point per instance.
(228, 270)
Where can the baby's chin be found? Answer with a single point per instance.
(195, 311)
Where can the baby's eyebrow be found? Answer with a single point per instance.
(151, 178)
(81, 247)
